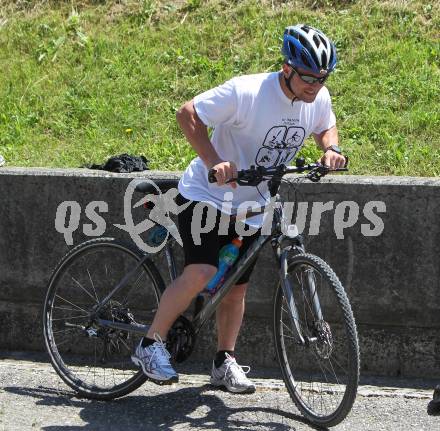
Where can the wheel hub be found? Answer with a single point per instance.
(324, 346)
(115, 312)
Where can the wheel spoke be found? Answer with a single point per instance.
(345, 371)
(93, 286)
(60, 343)
(73, 305)
(287, 327)
(65, 308)
(65, 330)
(83, 288)
(132, 288)
(70, 317)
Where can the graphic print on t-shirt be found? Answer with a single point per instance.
(280, 146)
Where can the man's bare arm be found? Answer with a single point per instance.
(197, 135)
(325, 140)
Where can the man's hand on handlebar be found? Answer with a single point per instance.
(223, 172)
(333, 160)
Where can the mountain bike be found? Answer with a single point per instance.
(104, 293)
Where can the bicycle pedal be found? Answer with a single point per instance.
(163, 382)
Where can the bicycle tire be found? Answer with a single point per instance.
(309, 371)
(72, 350)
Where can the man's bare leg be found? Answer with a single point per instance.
(230, 316)
(178, 296)
(225, 370)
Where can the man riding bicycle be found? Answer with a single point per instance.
(260, 120)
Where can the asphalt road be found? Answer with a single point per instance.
(33, 397)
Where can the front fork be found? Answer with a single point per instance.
(288, 294)
(283, 253)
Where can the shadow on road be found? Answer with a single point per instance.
(187, 408)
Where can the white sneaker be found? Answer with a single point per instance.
(232, 376)
(155, 361)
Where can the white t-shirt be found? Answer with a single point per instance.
(254, 123)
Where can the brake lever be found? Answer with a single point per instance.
(317, 173)
(250, 180)
(243, 180)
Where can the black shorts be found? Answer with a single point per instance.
(211, 242)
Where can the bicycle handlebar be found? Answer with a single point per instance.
(255, 175)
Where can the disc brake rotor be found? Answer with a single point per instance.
(324, 346)
(112, 338)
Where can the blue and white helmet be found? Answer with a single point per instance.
(308, 48)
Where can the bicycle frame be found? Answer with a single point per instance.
(276, 237)
(241, 266)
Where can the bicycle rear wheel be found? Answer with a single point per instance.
(94, 360)
(322, 373)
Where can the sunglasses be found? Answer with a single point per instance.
(311, 79)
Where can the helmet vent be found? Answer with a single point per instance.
(324, 61)
(315, 57)
(332, 56)
(317, 40)
(305, 60)
(303, 40)
(292, 49)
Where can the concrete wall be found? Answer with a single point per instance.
(392, 280)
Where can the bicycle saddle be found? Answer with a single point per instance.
(164, 185)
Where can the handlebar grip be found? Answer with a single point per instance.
(211, 176)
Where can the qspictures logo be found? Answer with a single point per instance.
(346, 215)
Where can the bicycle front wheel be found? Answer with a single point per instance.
(321, 370)
(94, 360)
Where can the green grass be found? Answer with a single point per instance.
(84, 80)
